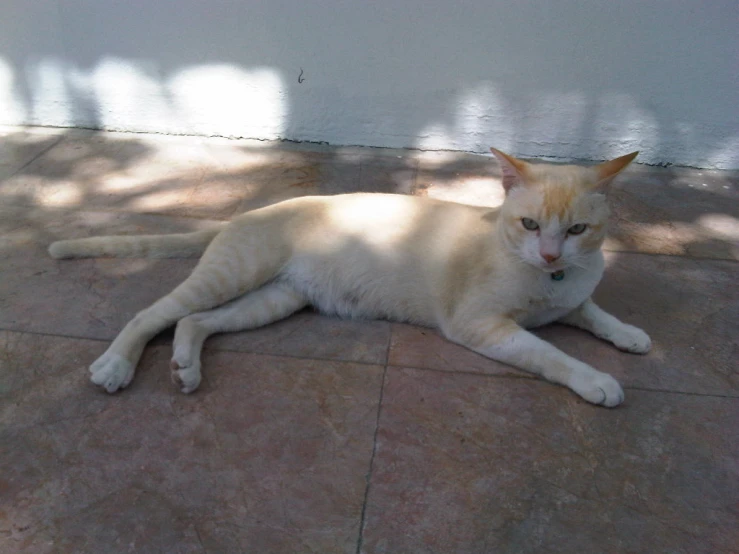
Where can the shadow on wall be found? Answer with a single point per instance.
(123, 95)
(223, 99)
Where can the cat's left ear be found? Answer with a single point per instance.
(514, 170)
(607, 171)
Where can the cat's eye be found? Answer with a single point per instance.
(577, 229)
(529, 224)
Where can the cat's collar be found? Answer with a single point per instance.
(558, 275)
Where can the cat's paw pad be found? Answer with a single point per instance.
(186, 377)
(112, 372)
(598, 388)
(632, 339)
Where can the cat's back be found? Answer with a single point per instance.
(373, 218)
(389, 214)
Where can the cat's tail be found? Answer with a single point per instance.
(181, 245)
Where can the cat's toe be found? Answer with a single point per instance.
(598, 388)
(186, 378)
(112, 372)
(633, 340)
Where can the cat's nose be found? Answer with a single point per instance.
(550, 257)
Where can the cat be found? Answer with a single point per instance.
(481, 276)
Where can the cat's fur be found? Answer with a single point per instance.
(477, 274)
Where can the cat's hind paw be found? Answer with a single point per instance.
(112, 372)
(187, 377)
(632, 339)
(597, 388)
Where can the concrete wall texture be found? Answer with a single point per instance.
(568, 79)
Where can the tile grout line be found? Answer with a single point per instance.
(36, 157)
(684, 393)
(531, 378)
(684, 256)
(389, 345)
(105, 210)
(362, 517)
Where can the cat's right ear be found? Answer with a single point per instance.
(514, 170)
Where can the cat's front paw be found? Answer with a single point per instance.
(597, 388)
(187, 377)
(632, 339)
(112, 372)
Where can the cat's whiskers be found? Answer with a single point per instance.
(581, 262)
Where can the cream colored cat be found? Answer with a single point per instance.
(480, 275)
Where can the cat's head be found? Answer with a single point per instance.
(554, 216)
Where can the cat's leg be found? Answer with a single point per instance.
(603, 325)
(270, 303)
(505, 341)
(208, 286)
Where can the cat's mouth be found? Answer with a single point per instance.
(547, 267)
(553, 267)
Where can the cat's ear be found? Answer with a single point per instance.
(607, 171)
(514, 170)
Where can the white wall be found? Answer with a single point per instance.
(568, 78)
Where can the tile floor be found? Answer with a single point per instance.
(320, 435)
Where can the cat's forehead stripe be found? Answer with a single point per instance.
(557, 199)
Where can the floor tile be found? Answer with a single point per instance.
(690, 308)
(308, 174)
(465, 178)
(90, 298)
(469, 463)
(308, 334)
(43, 379)
(189, 176)
(420, 347)
(676, 211)
(128, 520)
(270, 455)
(118, 171)
(19, 147)
(302, 439)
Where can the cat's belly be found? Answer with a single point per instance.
(365, 305)
(384, 295)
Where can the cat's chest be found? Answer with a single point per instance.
(547, 299)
